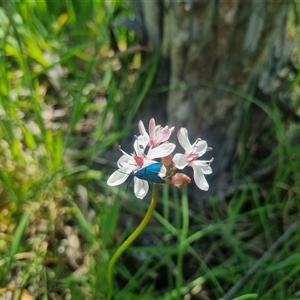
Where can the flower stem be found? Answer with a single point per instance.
(130, 239)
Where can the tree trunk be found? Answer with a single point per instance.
(213, 50)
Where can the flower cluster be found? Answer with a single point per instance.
(145, 167)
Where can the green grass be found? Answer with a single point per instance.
(64, 94)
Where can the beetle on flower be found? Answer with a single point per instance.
(159, 165)
(131, 164)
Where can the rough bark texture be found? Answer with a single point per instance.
(209, 45)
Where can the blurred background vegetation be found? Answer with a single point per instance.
(75, 78)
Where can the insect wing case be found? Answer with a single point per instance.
(150, 173)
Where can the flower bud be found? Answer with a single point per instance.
(180, 180)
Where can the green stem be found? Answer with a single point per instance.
(129, 240)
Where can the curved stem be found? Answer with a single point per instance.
(129, 240)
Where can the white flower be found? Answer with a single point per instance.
(150, 147)
(160, 151)
(130, 164)
(157, 134)
(192, 152)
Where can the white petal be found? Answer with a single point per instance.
(203, 164)
(124, 153)
(201, 147)
(162, 150)
(148, 162)
(199, 178)
(152, 128)
(140, 145)
(162, 172)
(126, 160)
(141, 188)
(119, 176)
(183, 140)
(142, 141)
(180, 161)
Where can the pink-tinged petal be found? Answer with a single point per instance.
(152, 129)
(199, 178)
(141, 188)
(200, 147)
(142, 129)
(180, 161)
(162, 135)
(183, 140)
(161, 150)
(119, 176)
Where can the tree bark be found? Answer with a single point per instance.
(213, 49)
